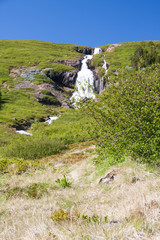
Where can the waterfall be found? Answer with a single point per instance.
(97, 51)
(85, 80)
(105, 67)
(101, 81)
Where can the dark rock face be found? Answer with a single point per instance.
(76, 63)
(99, 84)
(21, 124)
(86, 51)
(66, 79)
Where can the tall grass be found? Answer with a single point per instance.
(37, 148)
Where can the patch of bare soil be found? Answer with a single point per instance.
(112, 47)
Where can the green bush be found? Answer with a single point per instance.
(127, 118)
(145, 55)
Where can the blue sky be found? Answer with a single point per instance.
(86, 22)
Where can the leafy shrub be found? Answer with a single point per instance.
(144, 56)
(126, 121)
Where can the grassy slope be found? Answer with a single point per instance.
(29, 200)
(120, 56)
(23, 54)
(20, 105)
(69, 128)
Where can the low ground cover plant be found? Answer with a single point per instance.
(64, 182)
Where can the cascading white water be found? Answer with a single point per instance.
(97, 51)
(105, 67)
(101, 83)
(85, 80)
(51, 119)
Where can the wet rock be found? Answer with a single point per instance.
(86, 51)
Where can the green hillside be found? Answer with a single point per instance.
(29, 96)
(23, 62)
(23, 55)
(118, 56)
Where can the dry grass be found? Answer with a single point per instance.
(133, 198)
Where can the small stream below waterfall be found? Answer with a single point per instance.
(24, 132)
(49, 121)
(84, 87)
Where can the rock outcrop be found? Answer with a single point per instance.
(86, 51)
(99, 84)
(66, 79)
(76, 63)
